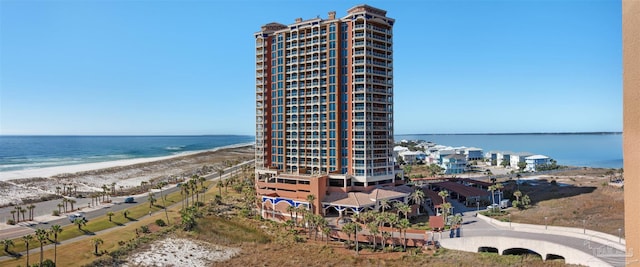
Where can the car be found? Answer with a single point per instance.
(75, 216)
(129, 200)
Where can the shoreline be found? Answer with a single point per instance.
(49, 172)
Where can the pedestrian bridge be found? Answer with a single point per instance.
(509, 245)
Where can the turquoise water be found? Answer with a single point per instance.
(603, 150)
(32, 152)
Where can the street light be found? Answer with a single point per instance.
(584, 227)
(545, 222)
(510, 221)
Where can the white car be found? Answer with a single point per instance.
(74, 216)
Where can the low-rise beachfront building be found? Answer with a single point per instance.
(518, 157)
(324, 112)
(397, 150)
(503, 156)
(442, 153)
(411, 157)
(492, 156)
(473, 153)
(534, 161)
(454, 164)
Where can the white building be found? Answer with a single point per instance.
(454, 164)
(534, 161)
(515, 158)
(412, 157)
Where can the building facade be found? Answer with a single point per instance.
(324, 107)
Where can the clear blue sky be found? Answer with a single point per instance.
(188, 67)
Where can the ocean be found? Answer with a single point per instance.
(32, 152)
(601, 150)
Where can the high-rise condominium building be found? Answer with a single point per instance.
(324, 112)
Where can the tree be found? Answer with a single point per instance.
(59, 207)
(291, 209)
(327, 232)
(188, 216)
(13, 213)
(499, 188)
(80, 222)
(492, 188)
(522, 165)
(310, 199)
(7, 243)
(95, 242)
(41, 235)
(505, 163)
(374, 230)
(384, 204)
(31, 208)
(125, 213)
(443, 194)
(526, 201)
(23, 211)
(110, 214)
(403, 225)
(517, 194)
(417, 197)
(55, 230)
(164, 204)
(71, 202)
(404, 208)
(27, 239)
(445, 210)
(220, 184)
(151, 199)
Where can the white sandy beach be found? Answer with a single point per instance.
(181, 252)
(35, 183)
(52, 171)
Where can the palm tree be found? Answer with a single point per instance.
(59, 207)
(310, 199)
(31, 208)
(71, 202)
(79, 222)
(110, 214)
(17, 209)
(517, 194)
(349, 229)
(55, 230)
(42, 236)
(151, 199)
(291, 209)
(164, 204)
(23, 211)
(13, 213)
(384, 204)
(95, 242)
(403, 225)
(326, 231)
(404, 208)
(7, 243)
(27, 239)
(492, 188)
(417, 197)
(445, 210)
(125, 213)
(444, 194)
(219, 184)
(374, 230)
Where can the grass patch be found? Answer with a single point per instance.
(222, 231)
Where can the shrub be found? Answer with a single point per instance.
(11, 222)
(161, 223)
(145, 229)
(55, 213)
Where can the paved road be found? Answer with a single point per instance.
(44, 220)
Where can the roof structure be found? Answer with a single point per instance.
(435, 198)
(363, 199)
(537, 157)
(462, 190)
